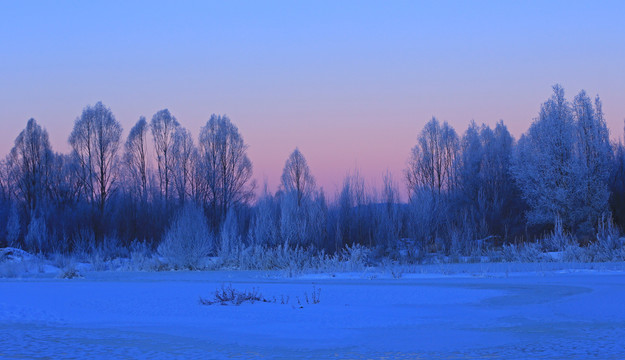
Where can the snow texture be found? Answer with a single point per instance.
(552, 314)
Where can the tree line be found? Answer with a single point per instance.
(465, 192)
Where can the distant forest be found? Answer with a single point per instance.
(160, 186)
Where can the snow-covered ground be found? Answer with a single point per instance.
(550, 314)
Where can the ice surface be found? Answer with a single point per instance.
(552, 314)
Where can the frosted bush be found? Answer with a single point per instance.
(188, 240)
(293, 260)
(575, 253)
(83, 242)
(608, 246)
(143, 258)
(61, 260)
(356, 257)
(529, 252)
(110, 248)
(558, 240)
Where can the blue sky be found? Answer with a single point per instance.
(349, 82)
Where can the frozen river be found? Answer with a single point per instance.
(121, 315)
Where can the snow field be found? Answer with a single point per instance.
(158, 315)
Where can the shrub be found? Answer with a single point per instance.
(142, 258)
(608, 246)
(111, 248)
(558, 240)
(229, 295)
(188, 239)
(575, 253)
(356, 256)
(83, 241)
(529, 252)
(69, 273)
(257, 257)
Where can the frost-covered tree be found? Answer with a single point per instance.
(300, 213)
(544, 163)
(163, 126)
(561, 164)
(470, 165)
(433, 160)
(499, 191)
(497, 147)
(182, 153)
(297, 178)
(95, 141)
(432, 179)
(135, 157)
(302, 224)
(226, 170)
(30, 161)
(188, 239)
(65, 186)
(486, 190)
(594, 154)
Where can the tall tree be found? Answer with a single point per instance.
(593, 154)
(486, 189)
(95, 141)
(433, 159)
(182, 162)
(297, 178)
(227, 171)
(302, 209)
(544, 163)
(163, 127)
(471, 158)
(31, 158)
(65, 187)
(135, 156)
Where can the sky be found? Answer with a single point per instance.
(351, 83)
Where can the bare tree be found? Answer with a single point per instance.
(135, 156)
(182, 157)
(95, 141)
(226, 169)
(432, 163)
(163, 126)
(297, 178)
(30, 160)
(65, 188)
(300, 213)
